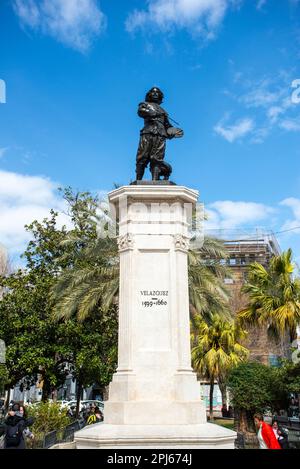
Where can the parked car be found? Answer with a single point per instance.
(63, 403)
(86, 403)
(95, 402)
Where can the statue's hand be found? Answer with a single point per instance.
(174, 132)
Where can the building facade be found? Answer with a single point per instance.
(241, 253)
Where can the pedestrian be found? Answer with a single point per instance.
(265, 434)
(14, 427)
(281, 435)
(99, 415)
(224, 410)
(92, 417)
(26, 432)
(72, 411)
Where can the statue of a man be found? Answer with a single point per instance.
(156, 131)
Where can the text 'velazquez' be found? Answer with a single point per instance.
(154, 292)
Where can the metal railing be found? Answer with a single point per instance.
(50, 439)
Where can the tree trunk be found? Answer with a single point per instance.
(46, 389)
(242, 421)
(245, 421)
(223, 389)
(78, 397)
(105, 393)
(211, 395)
(7, 399)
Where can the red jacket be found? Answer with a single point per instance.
(269, 436)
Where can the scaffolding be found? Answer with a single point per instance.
(246, 247)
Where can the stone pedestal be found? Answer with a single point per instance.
(154, 397)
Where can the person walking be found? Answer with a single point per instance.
(265, 434)
(281, 435)
(14, 427)
(26, 432)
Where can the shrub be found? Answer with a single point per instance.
(254, 387)
(48, 416)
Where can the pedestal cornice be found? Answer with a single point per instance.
(154, 193)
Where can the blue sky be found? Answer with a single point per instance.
(75, 71)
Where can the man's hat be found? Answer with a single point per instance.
(159, 91)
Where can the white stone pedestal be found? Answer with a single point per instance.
(154, 397)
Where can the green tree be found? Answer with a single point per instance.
(254, 387)
(274, 297)
(90, 349)
(218, 349)
(91, 282)
(289, 377)
(36, 345)
(26, 325)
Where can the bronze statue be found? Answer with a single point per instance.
(156, 131)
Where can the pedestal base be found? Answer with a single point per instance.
(153, 183)
(201, 436)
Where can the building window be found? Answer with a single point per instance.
(232, 261)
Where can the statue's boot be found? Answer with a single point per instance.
(140, 169)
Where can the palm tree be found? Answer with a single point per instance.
(207, 291)
(274, 297)
(92, 281)
(218, 349)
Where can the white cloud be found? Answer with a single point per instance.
(75, 23)
(268, 101)
(291, 125)
(259, 135)
(274, 112)
(243, 220)
(263, 94)
(23, 199)
(226, 214)
(260, 4)
(198, 16)
(294, 204)
(235, 131)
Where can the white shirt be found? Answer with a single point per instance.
(261, 441)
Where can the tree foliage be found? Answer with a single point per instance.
(274, 297)
(218, 350)
(207, 291)
(37, 344)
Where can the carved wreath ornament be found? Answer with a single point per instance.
(125, 242)
(181, 242)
